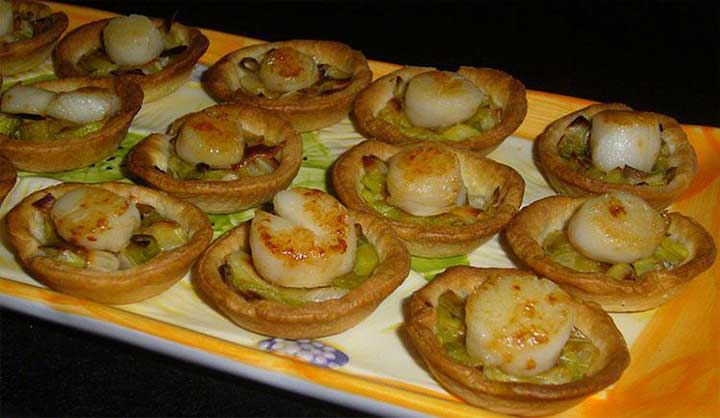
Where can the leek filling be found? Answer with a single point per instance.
(668, 255)
(574, 147)
(24, 27)
(259, 160)
(239, 274)
(332, 79)
(374, 192)
(576, 357)
(31, 128)
(155, 235)
(487, 117)
(96, 63)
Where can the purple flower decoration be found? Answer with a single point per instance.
(311, 351)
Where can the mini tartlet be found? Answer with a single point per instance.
(88, 39)
(312, 319)
(149, 160)
(113, 287)
(26, 54)
(306, 109)
(527, 232)
(501, 186)
(519, 398)
(8, 176)
(505, 98)
(567, 180)
(47, 156)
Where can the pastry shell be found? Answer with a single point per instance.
(59, 155)
(569, 182)
(88, 38)
(8, 176)
(117, 287)
(312, 319)
(527, 399)
(27, 54)
(505, 90)
(528, 229)
(305, 113)
(479, 174)
(222, 196)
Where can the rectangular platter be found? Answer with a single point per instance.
(674, 349)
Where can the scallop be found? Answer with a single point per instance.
(619, 138)
(85, 105)
(212, 138)
(307, 244)
(438, 99)
(616, 228)
(95, 218)
(517, 324)
(6, 18)
(132, 40)
(425, 180)
(287, 69)
(26, 100)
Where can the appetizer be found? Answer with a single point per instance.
(65, 124)
(311, 83)
(8, 176)
(224, 158)
(441, 201)
(613, 249)
(609, 147)
(473, 108)
(112, 243)
(508, 341)
(28, 33)
(157, 55)
(311, 269)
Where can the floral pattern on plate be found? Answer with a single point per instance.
(312, 351)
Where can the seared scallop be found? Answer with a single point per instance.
(517, 324)
(616, 227)
(308, 243)
(437, 99)
(620, 137)
(425, 181)
(286, 69)
(95, 218)
(85, 105)
(27, 100)
(212, 138)
(132, 40)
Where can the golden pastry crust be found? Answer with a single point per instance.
(8, 176)
(67, 154)
(305, 113)
(505, 90)
(88, 38)
(527, 399)
(569, 182)
(479, 174)
(528, 229)
(27, 54)
(312, 319)
(122, 286)
(222, 196)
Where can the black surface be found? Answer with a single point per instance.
(662, 56)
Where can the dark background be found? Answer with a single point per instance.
(662, 56)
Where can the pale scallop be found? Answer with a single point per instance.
(437, 99)
(307, 244)
(286, 69)
(616, 228)
(517, 324)
(619, 138)
(6, 18)
(425, 181)
(85, 105)
(26, 100)
(132, 40)
(212, 138)
(95, 218)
